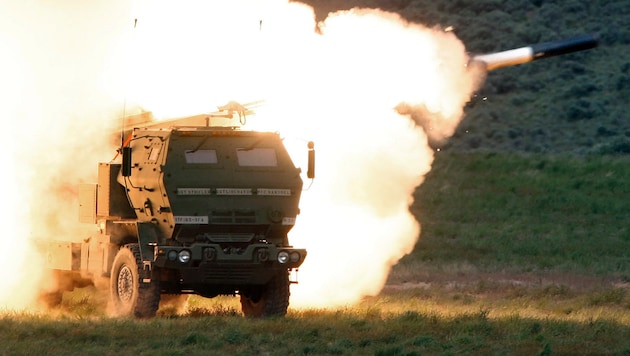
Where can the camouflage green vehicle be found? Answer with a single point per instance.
(192, 209)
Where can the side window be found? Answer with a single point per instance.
(257, 157)
(201, 156)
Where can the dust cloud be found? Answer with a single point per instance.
(75, 68)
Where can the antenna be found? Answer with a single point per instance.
(124, 113)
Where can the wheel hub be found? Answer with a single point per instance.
(125, 284)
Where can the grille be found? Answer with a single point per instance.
(213, 273)
(230, 237)
(233, 217)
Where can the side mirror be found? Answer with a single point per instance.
(310, 173)
(126, 161)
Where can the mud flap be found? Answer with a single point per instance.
(147, 272)
(147, 240)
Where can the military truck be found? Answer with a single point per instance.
(193, 208)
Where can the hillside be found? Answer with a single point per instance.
(573, 104)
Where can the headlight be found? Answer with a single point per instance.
(172, 255)
(295, 256)
(283, 257)
(183, 256)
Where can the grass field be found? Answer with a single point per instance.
(535, 214)
(518, 255)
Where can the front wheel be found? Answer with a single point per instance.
(269, 300)
(128, 294)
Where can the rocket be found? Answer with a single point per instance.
(521, 55)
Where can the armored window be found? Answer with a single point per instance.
(257, 157)
(201, 156)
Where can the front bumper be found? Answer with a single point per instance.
(212, 264)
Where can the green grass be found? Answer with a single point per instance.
(371, 328)
(518, 254)
(509, 212)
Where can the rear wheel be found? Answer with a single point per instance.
(270, 300)
(128, 294)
